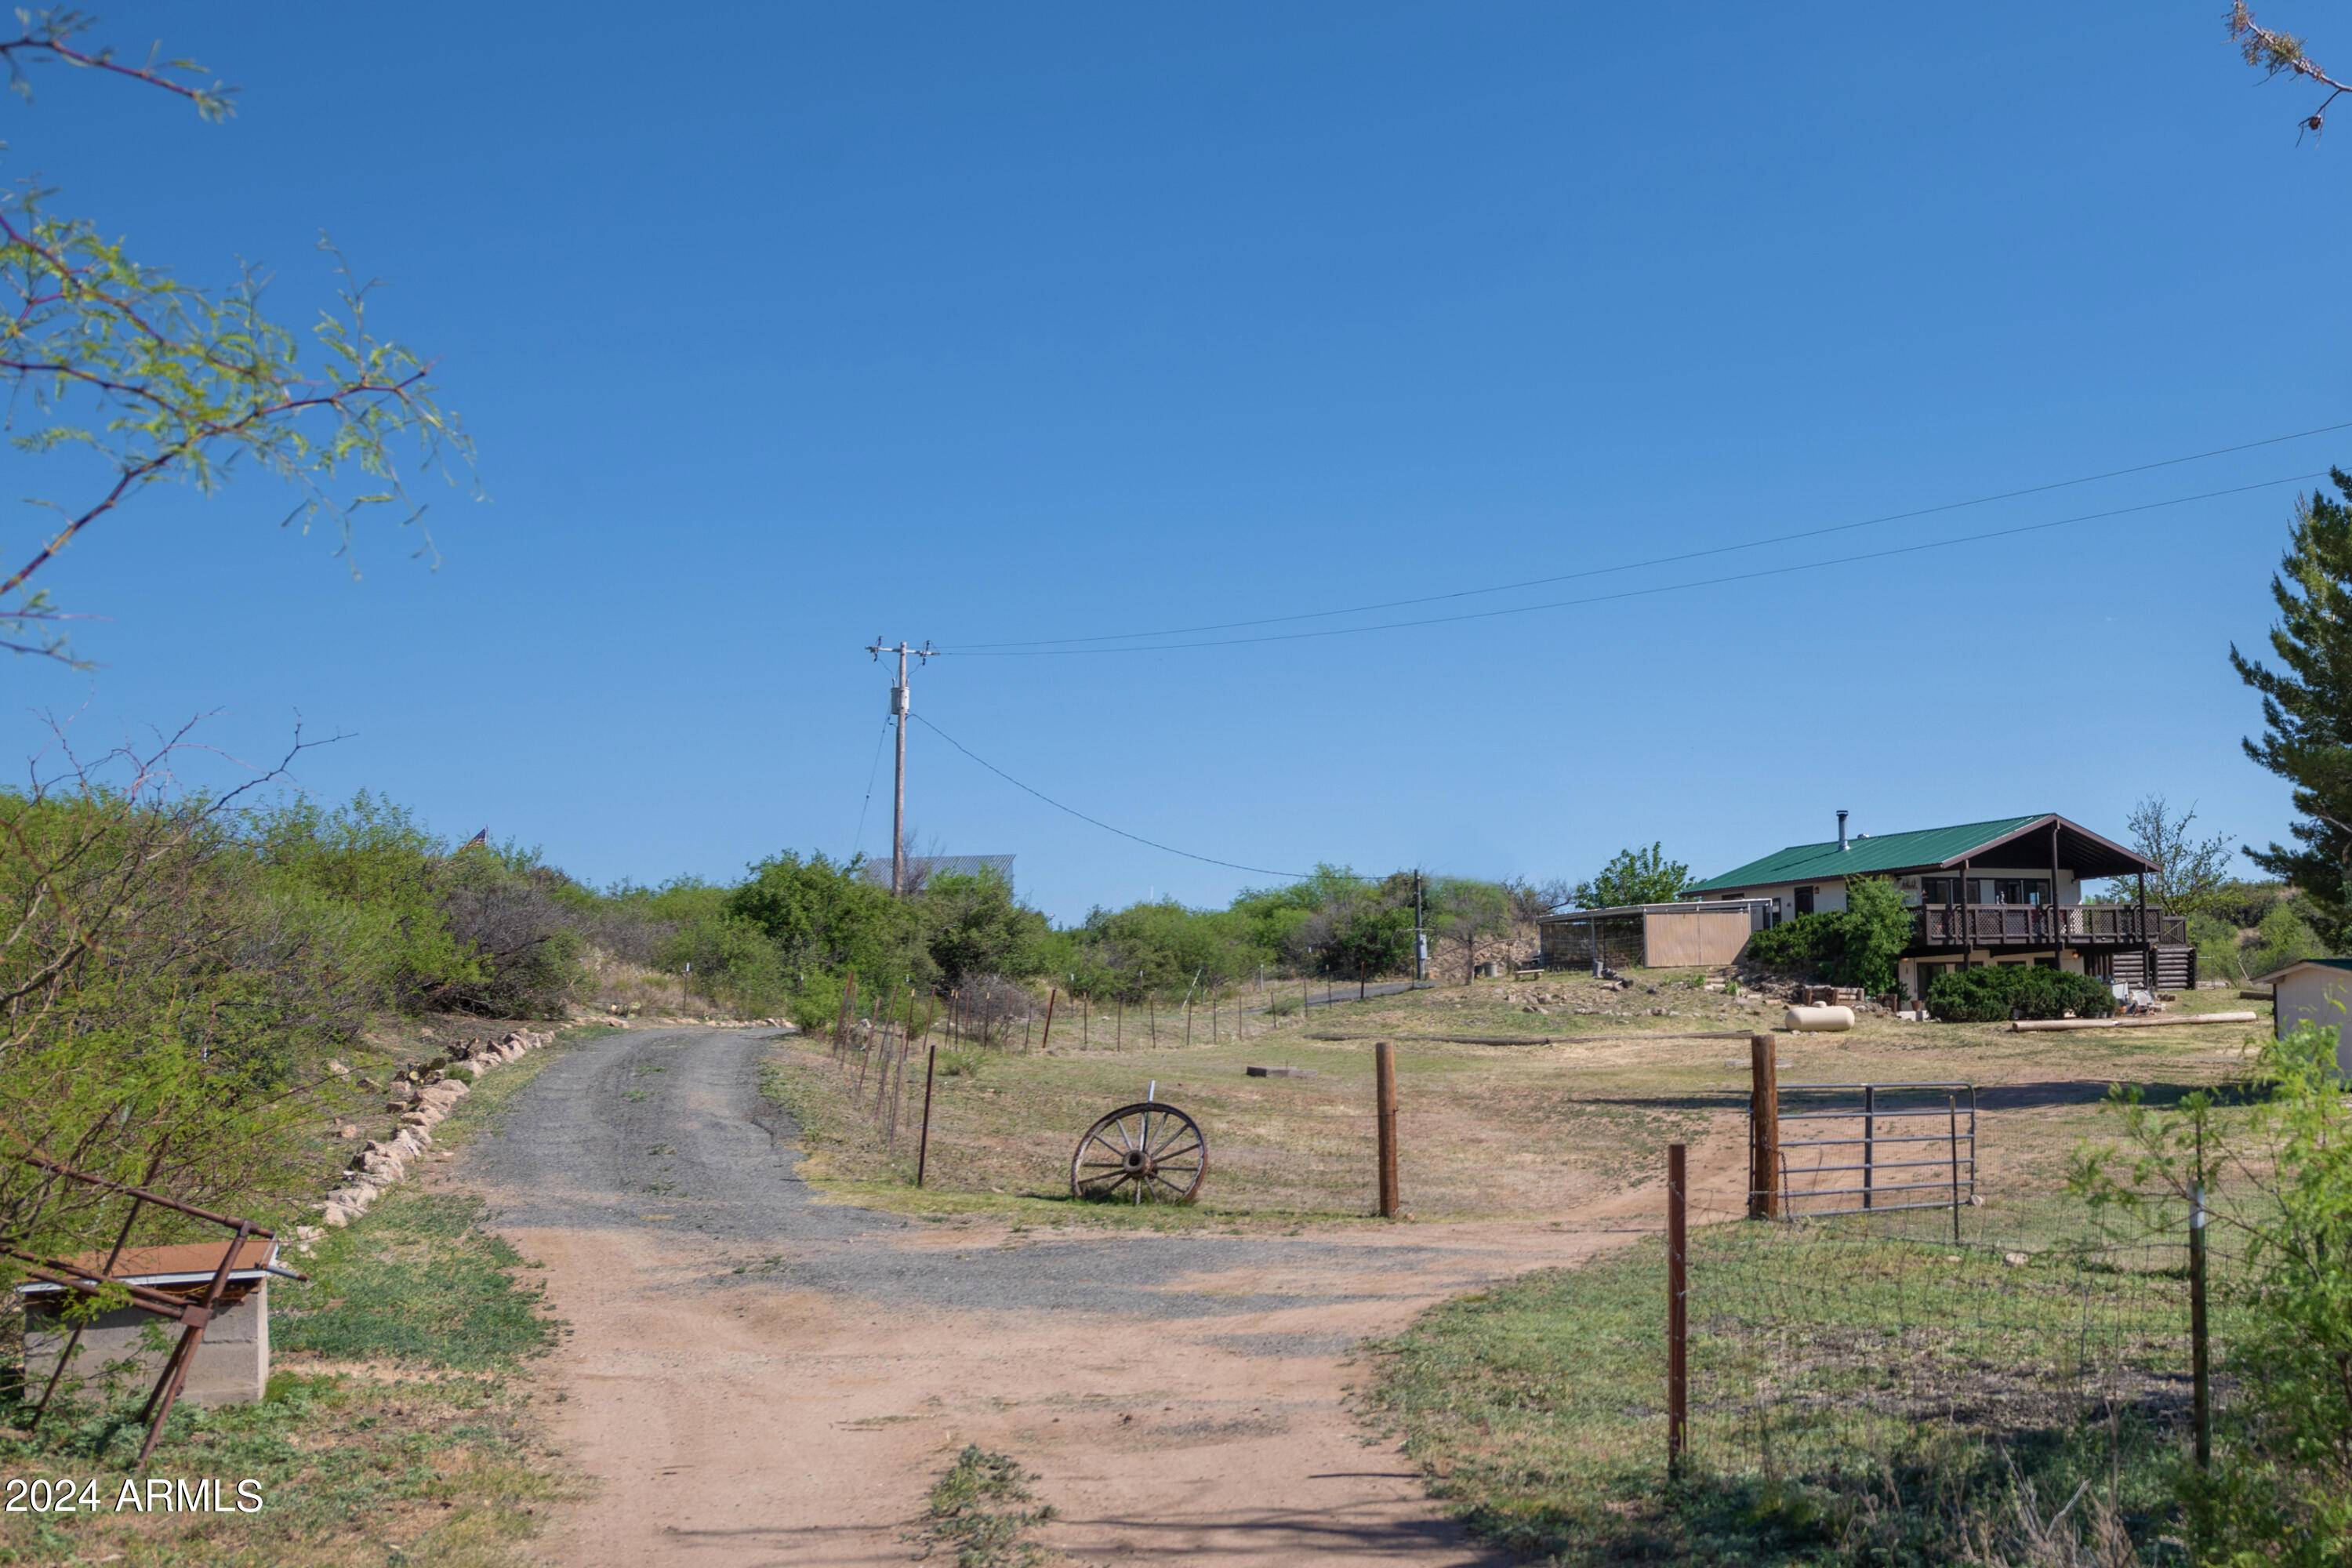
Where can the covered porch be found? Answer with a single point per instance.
(1957, 927)
(1981, 899)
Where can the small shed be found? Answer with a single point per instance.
(2315, 991)
(231, 1365)
(1649, 936)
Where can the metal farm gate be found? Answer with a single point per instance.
(1872, 1148)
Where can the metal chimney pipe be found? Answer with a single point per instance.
(1841, 830)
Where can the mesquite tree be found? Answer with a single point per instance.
(101, 352)
(165, 1007)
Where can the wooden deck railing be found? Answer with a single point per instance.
(2031, 925)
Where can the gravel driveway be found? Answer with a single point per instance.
(765, 1378)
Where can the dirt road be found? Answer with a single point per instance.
(755, 1378)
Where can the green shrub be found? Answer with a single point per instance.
(2219, 956)
(1857, 945)
(369, 868)
(815, 1007)
(1806, 946)
(733, 963)
(1998, 992)
(2282, 939)
(518, 918)
(1874, 929)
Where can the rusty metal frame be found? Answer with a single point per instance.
(193, 1314)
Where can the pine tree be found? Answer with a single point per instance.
(2307, 709)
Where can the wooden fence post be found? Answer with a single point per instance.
(1677, 1310)
(1047, 1043)
(1763, 1129)
(1385, 1090)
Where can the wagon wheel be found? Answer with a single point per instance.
(1142, 1150)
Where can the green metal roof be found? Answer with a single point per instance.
(1879, 852)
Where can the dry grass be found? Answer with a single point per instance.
(1525, 1131)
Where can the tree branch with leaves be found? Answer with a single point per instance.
(166, 382)
(2278, 54)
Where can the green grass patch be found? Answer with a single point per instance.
(1851, 1401)
(425, 1286)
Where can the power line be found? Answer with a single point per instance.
(1099, 822)
(873, 772)
(1043, 644)
(1007, 652)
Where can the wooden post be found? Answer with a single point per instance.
(1188, 1020)
(2056, 914)
(1677, 1310)
(923, 1141)
(1763, 1129)
(1966, 924)
(1047, 1043)
(1087, 1021)
(1385, 1091)
(1152, 1016)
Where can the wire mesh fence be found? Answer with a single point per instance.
(1871, 1352)
(992, 1011)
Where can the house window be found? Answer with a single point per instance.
(1942, 890)
(2034, 891)
(1805, 900)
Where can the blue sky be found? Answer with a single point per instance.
(782, 326)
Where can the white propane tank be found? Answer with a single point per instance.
(1810, 1020)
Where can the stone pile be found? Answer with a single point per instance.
(422, 1096)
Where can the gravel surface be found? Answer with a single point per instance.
(666, 1130)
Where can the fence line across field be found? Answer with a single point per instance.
(1829, 1345)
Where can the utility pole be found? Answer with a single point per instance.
(900, 706)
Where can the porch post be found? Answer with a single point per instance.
(1967, 922)
(2057, 942)
(2147, 943)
